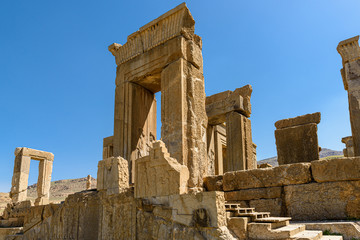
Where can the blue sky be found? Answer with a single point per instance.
(57, 78)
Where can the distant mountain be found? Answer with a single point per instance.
(325, 153)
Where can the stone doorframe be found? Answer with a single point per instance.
(164, 55)
(20, 178)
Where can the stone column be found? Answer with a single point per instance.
(240, 148)
(88, 182)
(44, 182)
(20, 177)
(183, 117)
(350, 53)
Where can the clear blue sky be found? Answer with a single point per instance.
(57, 76)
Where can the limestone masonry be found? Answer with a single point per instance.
(201, 180)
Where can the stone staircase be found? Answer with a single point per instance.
(248, 224)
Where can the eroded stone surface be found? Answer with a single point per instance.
(268, 177)
(214, 183)
(321, 201)
(160, 175)
(297, 144)
(113, 175)
(300, 120)
(252, 194)
(339, 169)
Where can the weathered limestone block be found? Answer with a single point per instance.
(159, 175)
(301, 120)
(350, 52)
(322, 201)
(268, 177)
(274, 206)
(211, 204)
(349, 150)
(238, 225)
(339, 169)
(253, 194)
(113, 175)
(88, 182)
(220, 104)
(213, 183)
(296, 139)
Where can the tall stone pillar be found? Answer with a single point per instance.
(44, 182)
(183, 117)
(350, 52)
(240, 149)
(20, 177)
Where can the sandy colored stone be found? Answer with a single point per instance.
(88, 182)
(213, 183)
(274, 206)
(252, 194)
(113, 175)
(349, 230)
(267, 177)
(297, 144)
(300, 120)
(220, 104)
(164, 55)
(338, 169)
(323, 201)
(160, 175)
(238, 225)
(20, 177)
(240, 149)
(349, 143)
(350, 52)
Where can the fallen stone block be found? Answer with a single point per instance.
(213, 183)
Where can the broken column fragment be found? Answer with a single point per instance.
(350, 52)
(349, 150)
(296, 139)
(231, 109)
(20, 178)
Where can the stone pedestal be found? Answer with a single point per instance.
(350, 52)
(113, 175)
(296, 139)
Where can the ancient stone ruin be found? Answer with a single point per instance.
(20, 178)
(200, 181)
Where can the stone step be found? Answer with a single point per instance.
(264, 231)
(308, 235)
(331, 238)
(243, 210)
(276, 222)
(254, 216)
(273, 219)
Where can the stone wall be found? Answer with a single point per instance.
(97, 215)
(320, 190)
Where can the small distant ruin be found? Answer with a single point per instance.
(201, 180)
(297, 140)
(20, 178)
